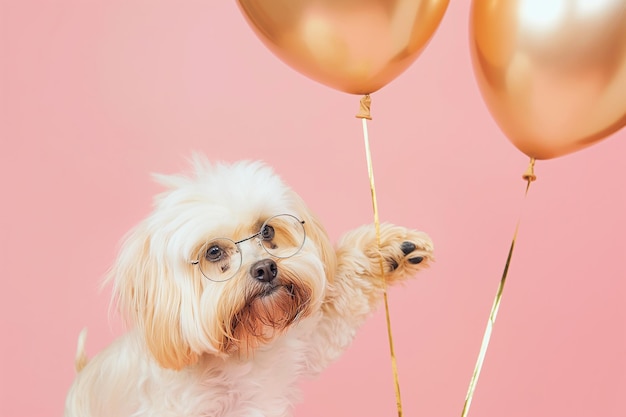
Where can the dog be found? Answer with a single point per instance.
(233, 291)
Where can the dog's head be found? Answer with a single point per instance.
(229, 259)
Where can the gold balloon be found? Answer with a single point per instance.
(552, 72)
(355, 46)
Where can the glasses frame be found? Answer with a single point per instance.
(259, 242)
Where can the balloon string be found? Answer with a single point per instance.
(364, 115)
(529, 176)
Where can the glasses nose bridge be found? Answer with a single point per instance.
(251, 246)
(245, 239)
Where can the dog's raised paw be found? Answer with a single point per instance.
(404, 251)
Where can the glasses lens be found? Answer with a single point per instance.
(219, 259)
(282, 236)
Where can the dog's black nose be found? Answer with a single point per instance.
(264, 270)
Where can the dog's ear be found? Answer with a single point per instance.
(149, 297)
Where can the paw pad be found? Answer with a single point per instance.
(408, 247)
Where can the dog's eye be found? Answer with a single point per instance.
(267, 233)
(214, 253)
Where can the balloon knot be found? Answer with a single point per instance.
(364, 109)
(529, 175)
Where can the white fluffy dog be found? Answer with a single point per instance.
(234, 291)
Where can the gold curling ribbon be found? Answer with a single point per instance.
(363, 114)
(529, 176)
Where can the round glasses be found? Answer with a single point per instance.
(281, 236)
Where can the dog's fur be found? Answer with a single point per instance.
(204, 348)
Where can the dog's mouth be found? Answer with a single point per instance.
(271, 289)
(269, 310)
(276, 302)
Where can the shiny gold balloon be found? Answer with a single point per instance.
(355, 46)
(552, 72)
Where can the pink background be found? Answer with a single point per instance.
(96, 95)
